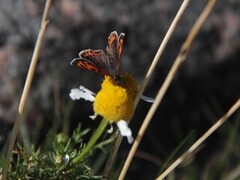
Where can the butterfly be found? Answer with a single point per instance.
(104, 63)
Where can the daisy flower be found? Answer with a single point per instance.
(114, 102)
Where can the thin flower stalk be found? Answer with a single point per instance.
(97, 134)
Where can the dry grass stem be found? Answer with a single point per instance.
(146, 79)
(201, 140)
(111, 158)
(27, 86)
(34, 60)
(179, 60)
(161, 49)
(233, 174)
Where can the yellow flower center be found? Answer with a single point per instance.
(116, 101)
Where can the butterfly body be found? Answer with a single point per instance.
(104, 63)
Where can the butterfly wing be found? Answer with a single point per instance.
(92, 60)
(114, 52)
(120, 45)
(98, 61)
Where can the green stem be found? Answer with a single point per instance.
(92, 141)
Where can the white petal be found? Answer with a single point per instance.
(82, 88)
(125, 130)
(83, 93)
(130, 139)
(93, 117)
(148, 99)
(110, 130)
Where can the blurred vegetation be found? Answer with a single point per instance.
(53, 159)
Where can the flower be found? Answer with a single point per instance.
(114, 102)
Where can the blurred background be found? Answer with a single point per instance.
(207, 84)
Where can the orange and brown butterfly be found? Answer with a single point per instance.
(104, 63)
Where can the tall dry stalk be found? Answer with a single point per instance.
(177, 63)
(27, 86)
(146, 79)
(209, 132)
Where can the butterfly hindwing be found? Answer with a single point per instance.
(92, 60)
(120, 45)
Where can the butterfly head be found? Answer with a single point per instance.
(117, 79)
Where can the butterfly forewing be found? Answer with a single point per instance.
(114, 51)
